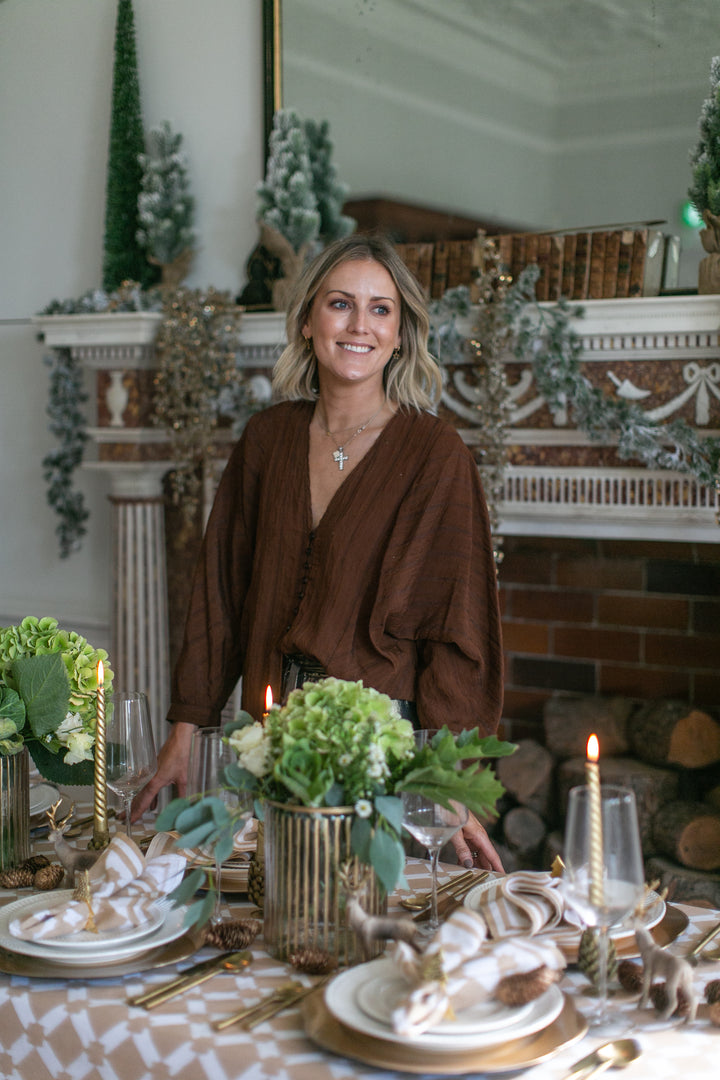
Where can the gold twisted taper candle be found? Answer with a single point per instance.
(592, 774)
(101, 833)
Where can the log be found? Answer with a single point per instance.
(524, 830)
(712, 797)
(568, 722)
(674, 733)
(684, 886)
(528, 776)
(652, 786)
(689, 833)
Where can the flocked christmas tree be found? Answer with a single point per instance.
(329, 192)
(123, 258)
(287, 201)
(165, 205)
(705, 159)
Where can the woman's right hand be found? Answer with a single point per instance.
(172, 768)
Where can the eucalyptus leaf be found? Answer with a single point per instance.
(199, 912)
(242, 719)
(360, 836)
(201, 834)
(188, 886)
(165, 821)
(387, 857)
(391, 809)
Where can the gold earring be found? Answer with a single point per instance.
(308, 344)
(396, 353)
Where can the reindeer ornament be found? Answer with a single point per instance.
(71, 858)
(658, 963)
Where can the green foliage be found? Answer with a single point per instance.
(123, 258)
(165, 206)
(329, 192)
(287, 202)
(705, 158)
(53, 674)
(68, 425)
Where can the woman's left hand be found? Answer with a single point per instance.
(474, 847)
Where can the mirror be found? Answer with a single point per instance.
(535, 115)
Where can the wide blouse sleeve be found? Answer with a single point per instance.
(438, 588)
(211, 657)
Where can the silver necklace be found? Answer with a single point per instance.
(339, 454)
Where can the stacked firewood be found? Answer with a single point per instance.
(667, 752)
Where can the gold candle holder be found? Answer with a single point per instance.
(101, 833)
(592, 774)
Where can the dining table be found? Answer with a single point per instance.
(84, 1027)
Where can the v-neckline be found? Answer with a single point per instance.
(359, 468)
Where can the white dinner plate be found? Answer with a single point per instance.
(653, 913)
(342, 999)
(379, 996)
(42, 796)
(171, 926)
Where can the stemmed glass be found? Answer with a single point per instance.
(209, 757)
(432, 825)
(622, 876)
(130, 748)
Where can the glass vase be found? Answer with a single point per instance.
(306, 850)
(14, 809)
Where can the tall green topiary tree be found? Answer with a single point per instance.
(329, 192)
(705, 158)
(123, 259)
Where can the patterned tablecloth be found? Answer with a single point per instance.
(84, 1029)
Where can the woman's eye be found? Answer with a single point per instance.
(381, 309)
(340, 304)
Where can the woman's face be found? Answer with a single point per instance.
(354, 323)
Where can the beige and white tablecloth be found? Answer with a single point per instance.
(85, 1030)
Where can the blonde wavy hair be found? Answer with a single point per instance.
(412, 378)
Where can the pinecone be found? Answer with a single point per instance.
(256, 881)
(35, 863)
(659, 998)
(588, 957)
(630, 976)
(712, 992)
(19, 877)
(237, 934)
(313, 961)
(49, 877)
(522, 988)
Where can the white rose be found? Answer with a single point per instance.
(257, 760)
(80, 746)
(246, 738)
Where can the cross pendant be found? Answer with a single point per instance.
(340, 458)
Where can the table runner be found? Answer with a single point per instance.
(85, 1030)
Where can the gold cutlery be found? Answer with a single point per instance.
(452, 896)
(693, 955)
(279, 999)
(612, 1055)
(199, 973)
(421, 900)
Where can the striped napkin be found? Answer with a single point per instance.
(124, 885)
(526, 902)
(244, 843)
(459, 969)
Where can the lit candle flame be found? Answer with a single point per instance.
(100, 673)
(268, 698)
(593, 748)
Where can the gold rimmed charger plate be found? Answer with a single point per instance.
(35, 968)
(329, 1033)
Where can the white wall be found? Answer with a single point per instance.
(200, 66)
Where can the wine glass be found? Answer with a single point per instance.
(432, 825)
(209, 756)
(130, 748)
(605, 903)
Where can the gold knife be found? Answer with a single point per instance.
(274, 1003)
(693, 954)
(199, 973)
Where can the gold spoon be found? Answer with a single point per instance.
(231, 961)
(418, 901)
(612, 1055)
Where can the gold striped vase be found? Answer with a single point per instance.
(305, 848)
(14, 809)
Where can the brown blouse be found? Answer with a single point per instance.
(396, 586)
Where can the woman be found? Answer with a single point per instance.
(349, 534)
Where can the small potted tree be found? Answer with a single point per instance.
(705, 188)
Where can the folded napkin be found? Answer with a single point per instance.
(123, 886)
(525, 902)
(244, 843)
(459, 969)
